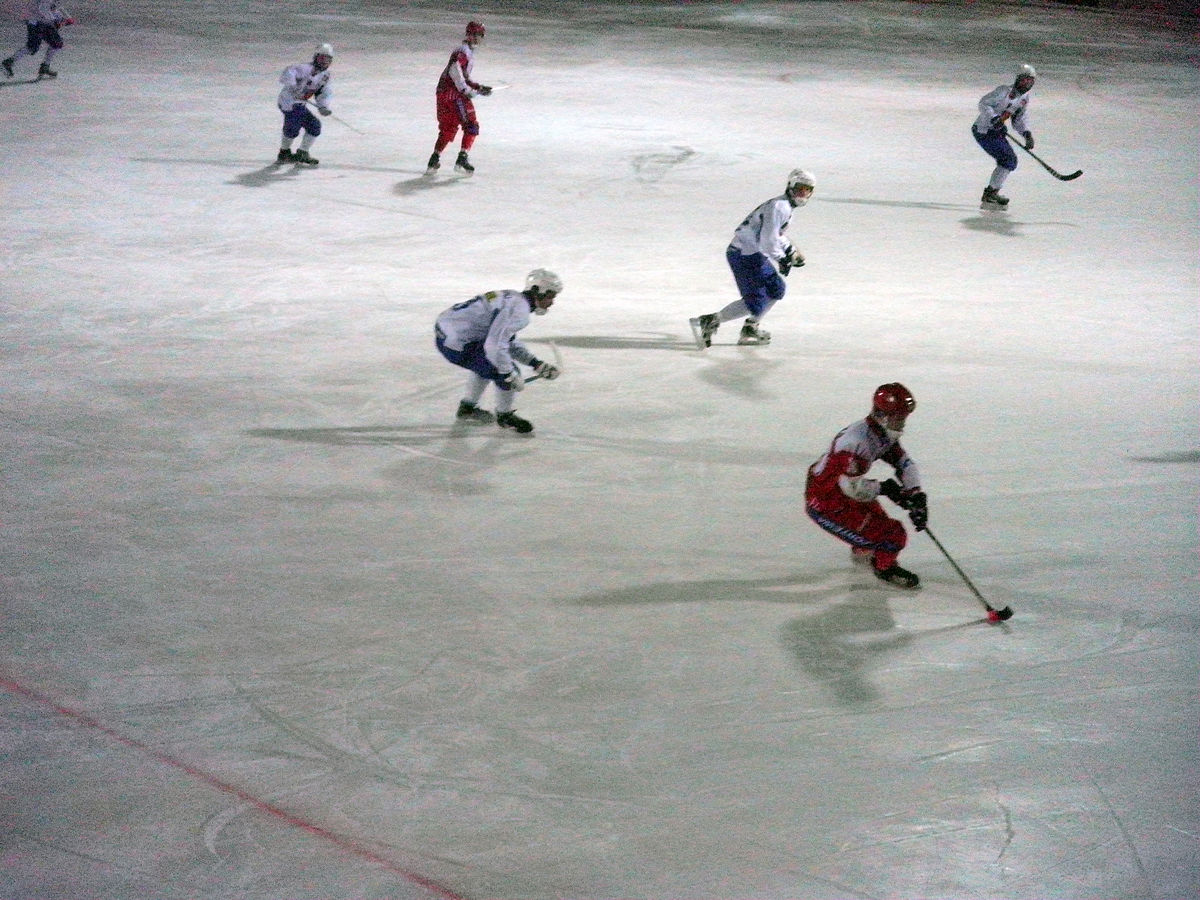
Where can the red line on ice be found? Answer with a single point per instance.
(348, 844)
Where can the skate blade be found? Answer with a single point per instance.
(697, 334)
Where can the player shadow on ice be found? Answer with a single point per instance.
(993, 223)
(742, 376)
(436, 458)
(847, 628)
(266, 175)
(425, 183)
(656, 340)
(901, 204)
(1189, 457)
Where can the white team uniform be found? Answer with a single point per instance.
(492, 319)
(998, 102)
(762, 230)
(303, 82)
(45, 12)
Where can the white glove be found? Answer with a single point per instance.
(514, 380)
(547, 371)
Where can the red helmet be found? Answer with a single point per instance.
(891, 405)
(476, 30)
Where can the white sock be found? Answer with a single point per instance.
(735, 310)
(476, 385)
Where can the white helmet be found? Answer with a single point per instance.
(800, 178)
(1025, 69)
(324, 50)
(543, 281)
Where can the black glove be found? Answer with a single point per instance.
(1028, 140)
(997, 126)
(785, 266)
(892, 490)
(917, 505)
(485, 90)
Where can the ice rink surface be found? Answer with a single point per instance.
(273, 627)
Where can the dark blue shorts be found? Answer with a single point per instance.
(473, 358)
(38, 32)
(300, 117)
(996, 145)
(758, 282)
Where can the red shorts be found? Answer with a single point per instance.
(454, 111)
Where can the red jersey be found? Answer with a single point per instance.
(456, 77)
(838, 479)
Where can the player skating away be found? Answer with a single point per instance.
(480, 335)
(759, 256)
(997, 108)
(841, 498)
(454, 107)
(301, 83)
(43, 18)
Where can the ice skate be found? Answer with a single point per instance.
(473, 415)
(8, 66)
(515, 422)
(899, 577)
(44, 71)
(992, 199)
(301, 158)
(435, 163)
(751, 334)
(703, 328)
(462, 164)
(283, 156)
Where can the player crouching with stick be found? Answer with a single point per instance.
(480, 335)
(841, 499)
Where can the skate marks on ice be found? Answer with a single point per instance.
(649, 168)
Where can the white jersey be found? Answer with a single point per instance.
(762, 230)
(999, 101)
(492, 319)
(302, 82)
(45, 12)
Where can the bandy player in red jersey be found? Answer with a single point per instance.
(844, 501)
(454, 107)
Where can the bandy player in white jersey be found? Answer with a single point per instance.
(759, 255)
(43, 18)
(303, 82)
(480, 335)
(999, 106)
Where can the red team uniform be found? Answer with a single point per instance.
(454, 107)
(843, 501)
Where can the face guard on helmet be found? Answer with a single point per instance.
(890, 407)
(322, 57)
(475, 33)
(541, 287)
(800, 186)
(1024, 79)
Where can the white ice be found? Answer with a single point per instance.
(274, 628)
